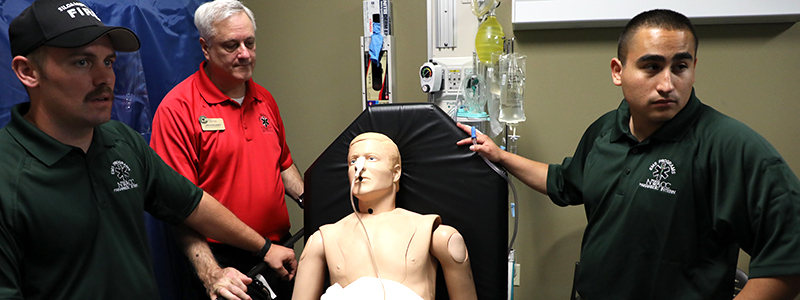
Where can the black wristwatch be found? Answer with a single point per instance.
(299, 200)
(261, 253)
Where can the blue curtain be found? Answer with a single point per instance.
(170, 52)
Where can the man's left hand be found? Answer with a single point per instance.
(228, 283)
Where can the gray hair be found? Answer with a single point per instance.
(214, 11)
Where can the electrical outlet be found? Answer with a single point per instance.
(454, 79)
(516, 274)
(455, 76)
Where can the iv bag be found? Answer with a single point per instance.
(512, 82)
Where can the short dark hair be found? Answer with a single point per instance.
(657, 18)
(37, 59)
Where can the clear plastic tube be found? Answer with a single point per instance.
(360, 162)
(515, 207)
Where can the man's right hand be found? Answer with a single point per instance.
(282, 260)
(532, 173)
(227, 283)
(484, 144)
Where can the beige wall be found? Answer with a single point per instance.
(308, 58)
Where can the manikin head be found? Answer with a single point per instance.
(380, 178)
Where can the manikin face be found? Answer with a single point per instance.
(232, 52)
(77, 85)
(658, 76)
(380, 173)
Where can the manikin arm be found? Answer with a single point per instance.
(311, 270)
(448, 246)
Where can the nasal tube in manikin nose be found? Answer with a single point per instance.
(359, 166)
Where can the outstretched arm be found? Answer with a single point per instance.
(448, 246)
(213, 220)
(532, 173)
(311, 270)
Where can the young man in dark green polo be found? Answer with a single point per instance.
(671, 187)
(74, 185)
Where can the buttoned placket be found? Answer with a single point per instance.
(244, 118)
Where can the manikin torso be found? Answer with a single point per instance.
(401, 241)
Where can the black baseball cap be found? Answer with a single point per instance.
(64, 24)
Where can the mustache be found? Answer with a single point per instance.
(100, 90)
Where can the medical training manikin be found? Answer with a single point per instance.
(398, 257)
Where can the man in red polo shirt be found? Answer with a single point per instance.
(224, 132)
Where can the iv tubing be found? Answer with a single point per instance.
(513, 191)
(359, 167)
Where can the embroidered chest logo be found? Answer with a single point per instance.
(264, 121)
(661, 169)
(123, 172)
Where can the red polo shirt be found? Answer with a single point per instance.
(239, 164)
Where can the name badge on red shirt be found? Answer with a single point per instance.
(212, 124)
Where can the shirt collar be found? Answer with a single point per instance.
(103, 137)
(213, 95)
(673, 130)
(41, 145)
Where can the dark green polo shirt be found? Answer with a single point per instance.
(666, 216)
(71, 223)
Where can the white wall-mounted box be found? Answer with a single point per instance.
(555, 14)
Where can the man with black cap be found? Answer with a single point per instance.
(74, 184)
